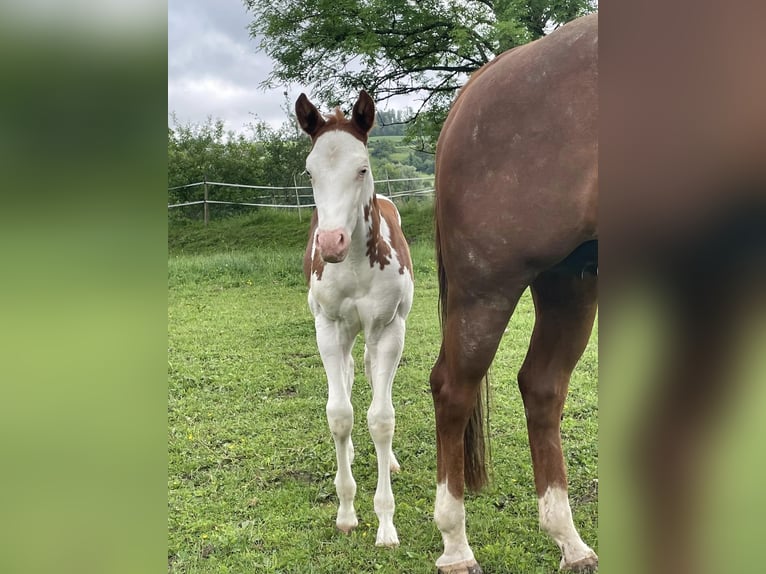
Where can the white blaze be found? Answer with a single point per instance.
(339, 191)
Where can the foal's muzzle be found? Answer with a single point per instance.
(333, 245)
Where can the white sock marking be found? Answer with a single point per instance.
(449, 515)
(556, 520)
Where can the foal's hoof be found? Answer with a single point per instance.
(388, 543)
(587, 565)
(346, 526)
(387, 537)
(466, 567)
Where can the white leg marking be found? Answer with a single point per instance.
(340, 417)
(368, 371)
(556, 520)
(384, 352)
(380, 420)
(349, 386)
(334, 344)
(449, 515)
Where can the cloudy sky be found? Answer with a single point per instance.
(214, 68)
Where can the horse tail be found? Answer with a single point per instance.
(474, 447)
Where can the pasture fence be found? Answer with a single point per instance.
(284, 197)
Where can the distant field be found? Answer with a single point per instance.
(401, 153)
(251, 461)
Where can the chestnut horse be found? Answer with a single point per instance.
(516, 187)
(358, 267)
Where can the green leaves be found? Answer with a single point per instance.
(206, 152)
(425, 50)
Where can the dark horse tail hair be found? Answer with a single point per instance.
(474, 448)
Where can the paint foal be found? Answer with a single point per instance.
(358, 267)
(516, 186)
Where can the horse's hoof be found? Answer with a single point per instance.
(346, 528)
(394, 466)
(587, 565)
(461, 568)
(387, 537)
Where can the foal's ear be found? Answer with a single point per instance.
(308, 116)
(363, 113)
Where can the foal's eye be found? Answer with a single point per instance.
(308, 173)
(363, 171)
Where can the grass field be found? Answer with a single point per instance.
(251, 461)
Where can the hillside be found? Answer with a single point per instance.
(268, 228)
(389, 153)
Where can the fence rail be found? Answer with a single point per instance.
(258, 201)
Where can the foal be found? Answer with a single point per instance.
(359, 271)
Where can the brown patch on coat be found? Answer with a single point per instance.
(378, 250)
(315, 265)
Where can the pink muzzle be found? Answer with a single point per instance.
(333, 245)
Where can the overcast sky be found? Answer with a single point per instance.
(214, 68)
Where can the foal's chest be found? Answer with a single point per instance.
(347, 292)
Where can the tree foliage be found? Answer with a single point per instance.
(205, 152)
(423, 49)
(391, 122)
(268, 157)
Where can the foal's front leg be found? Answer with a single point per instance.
(368, 370)
(385, 350)
(335, 339)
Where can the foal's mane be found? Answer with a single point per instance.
(336, 118)
(338, 121)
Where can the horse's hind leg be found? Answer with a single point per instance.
(472, 331)
(565, 307)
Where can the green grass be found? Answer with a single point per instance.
(256, 228)
(251, 461)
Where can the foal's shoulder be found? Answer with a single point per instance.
(388, 209)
